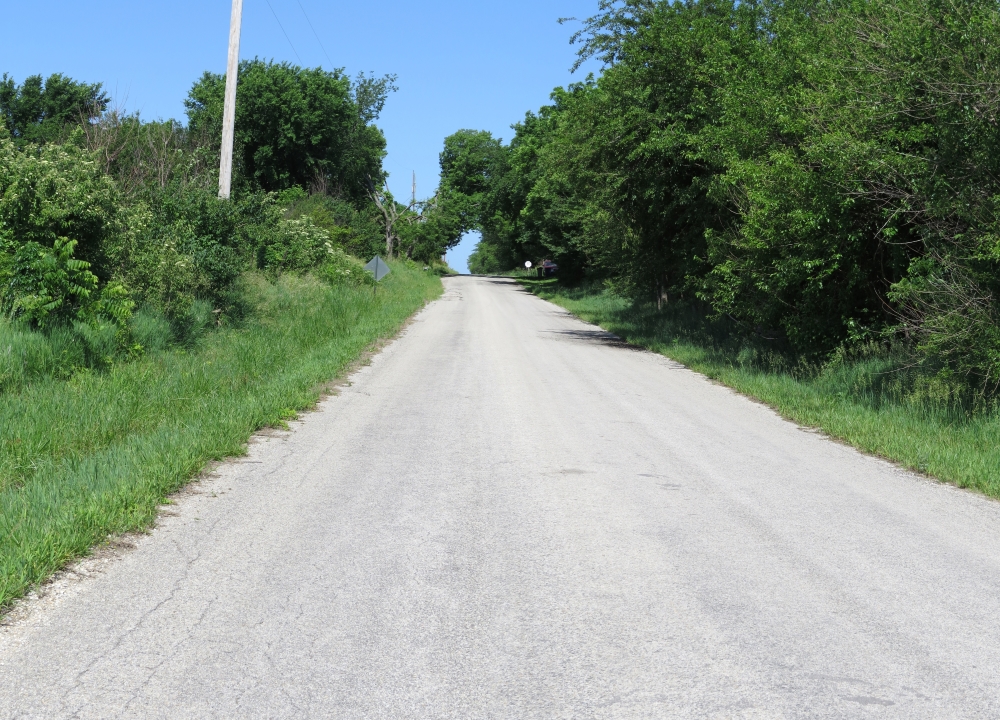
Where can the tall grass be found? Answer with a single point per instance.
(27, 356)
(96, 454)
(866, 399)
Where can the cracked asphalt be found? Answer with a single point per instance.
(510, 514)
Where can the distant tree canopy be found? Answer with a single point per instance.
(297, 126)
(471, 164)
(40, 111)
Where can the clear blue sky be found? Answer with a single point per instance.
(461, 64)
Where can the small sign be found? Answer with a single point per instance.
(527, 264)
(378, 268)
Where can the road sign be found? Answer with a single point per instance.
(527, 264)
(378, 268)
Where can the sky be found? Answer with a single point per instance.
(474, 64)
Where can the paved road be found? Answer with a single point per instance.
(511, 515)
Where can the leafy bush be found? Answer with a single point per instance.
(56, 205)
(300, 245)
(59, 191)
(294, 245)
(339, 268)
(356, 231)
(48, 285)
(187, 244)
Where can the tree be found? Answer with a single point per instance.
(430, 230)
(390, 211)
(298, 126)
(471, 162)
(40, 112)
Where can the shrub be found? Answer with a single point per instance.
(294, 245)
(58, 214)
(58, 191)
(339, 268)
(356, 231)
(187, 244)
(48, 285)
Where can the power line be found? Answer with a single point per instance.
(315, 33)
(283, 32)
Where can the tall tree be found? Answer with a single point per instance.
(38, 111)
(298, 126)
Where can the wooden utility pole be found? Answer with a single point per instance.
(229, 112)
(414, 203)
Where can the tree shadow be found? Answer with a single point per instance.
(595, 337)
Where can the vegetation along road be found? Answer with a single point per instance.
(510, 513)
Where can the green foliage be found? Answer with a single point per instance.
(58, 216)
(41, 112)
(339, 268)
(350, 228)
(429, 230)
(124, 214)
(98, 455)
(295, 245)
(301, 245)
(189, 245)
(297, 126)
(142, 156)
(471, 162)
(871, 397)
(822, 176)
(485, 259)
(58, 191)
(49, 285)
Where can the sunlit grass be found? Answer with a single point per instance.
(856, 400)
(97, 454)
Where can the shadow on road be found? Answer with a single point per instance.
(594, 337)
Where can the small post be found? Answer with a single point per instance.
(229, 111)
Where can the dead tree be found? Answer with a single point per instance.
(391, 211)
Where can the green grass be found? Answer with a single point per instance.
(866, 401)
(95, 455)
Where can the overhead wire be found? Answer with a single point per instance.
(315, 33)
(283, 31)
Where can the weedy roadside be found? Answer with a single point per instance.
(95, 455)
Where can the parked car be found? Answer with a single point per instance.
(549, 268)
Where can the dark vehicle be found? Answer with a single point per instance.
(549, 268)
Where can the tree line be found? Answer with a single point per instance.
(103, 213)
(823, 175)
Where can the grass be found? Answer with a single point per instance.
(27, 356)
(96, 454)
(864, 400)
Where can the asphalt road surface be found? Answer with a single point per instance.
(509, 514)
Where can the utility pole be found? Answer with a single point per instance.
(229, 112)
(414, 203)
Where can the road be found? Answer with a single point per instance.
(510, 514)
